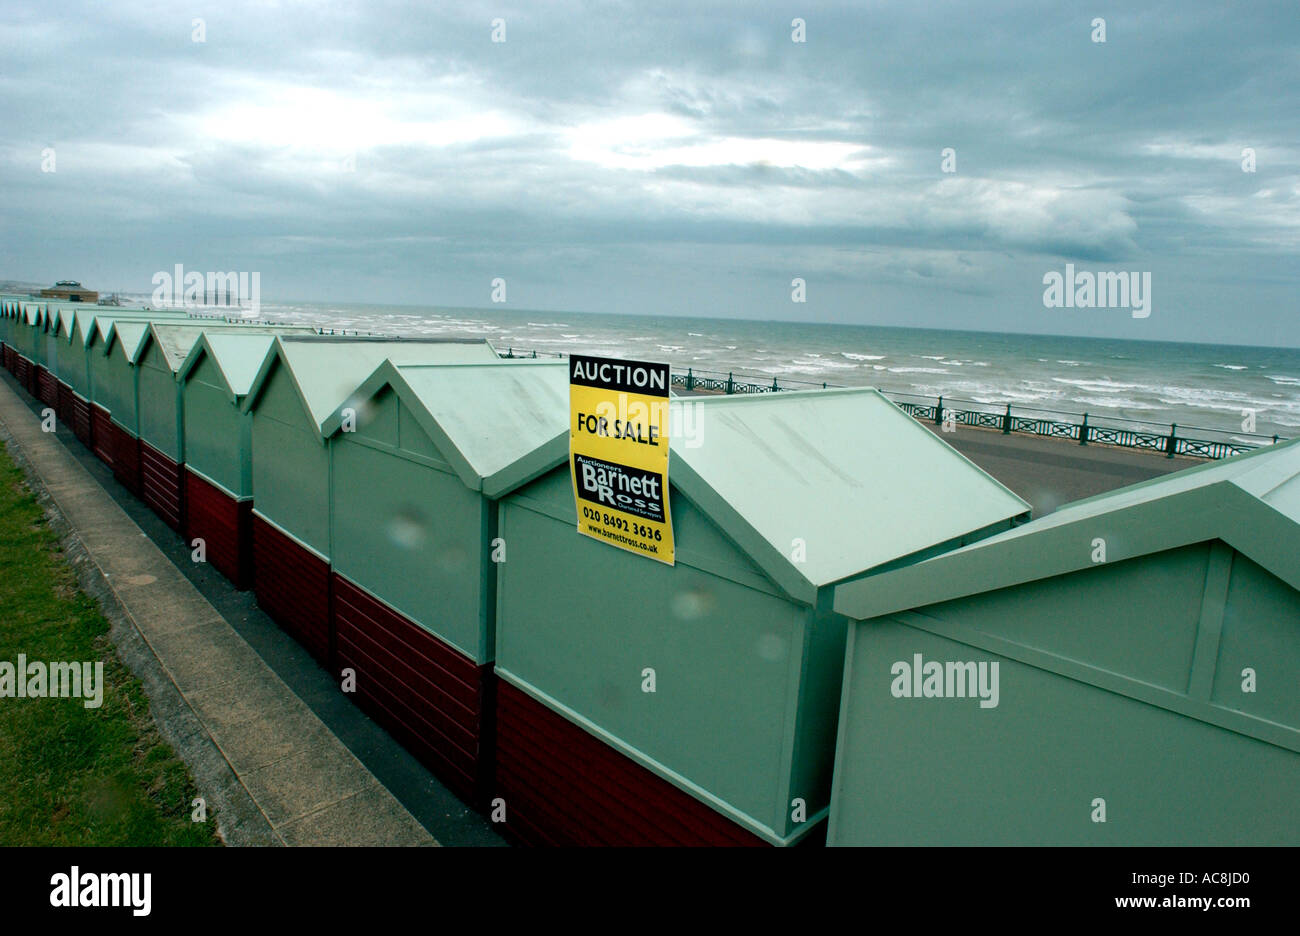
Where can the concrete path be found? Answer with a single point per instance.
(1050, 473)
(273, 769)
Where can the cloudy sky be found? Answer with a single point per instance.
(665, 157)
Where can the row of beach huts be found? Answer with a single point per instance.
(864, 638)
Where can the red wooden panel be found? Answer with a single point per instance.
(224, 524)
(563, 786)
(64, 407)
(47, 387)
(432, 698)
(161, 486)
(81, 420)
(23, 371)
(292, 585)
(126, 459)
(101, 433)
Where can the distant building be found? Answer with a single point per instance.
(70, 291)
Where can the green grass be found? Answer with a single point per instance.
(70, 775)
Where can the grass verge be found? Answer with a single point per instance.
(71, 775)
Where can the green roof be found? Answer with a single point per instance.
(1251, 502)
(127, 335)
(238, 357)
(844, 472)
(94, 322)
(176, 339)
(327, 370)
(515, 428)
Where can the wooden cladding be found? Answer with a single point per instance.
(292, 586)
(47, 387)
(436, 701)
(564, 786)
(126, 459)
(102, 435)
(224, 524)
(161, 485)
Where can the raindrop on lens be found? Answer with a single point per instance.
(408, 529)
(771, 648)
(691, 604)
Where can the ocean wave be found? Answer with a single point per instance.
(1101, 385)
(918, 370)
(1284, 381)
(1232, 367)
(1120, 403)
(934, 357)
(862, 357)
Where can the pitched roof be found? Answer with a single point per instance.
(176, 339)
(515, 429)
(838, 469)
(326, 371)
(237, 356)
(127, 335)
(1251, 502)
(845, 472)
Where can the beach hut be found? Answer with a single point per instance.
(643, 703)
(47, 359)
(106, 440)
(301, 384)
(413, 520)
(115, 391)
(16, 337)
(158, 359)
(1119, 672)
(81, 329)
(25, 369)
(6, 327)
(12, 335)
(215, 377)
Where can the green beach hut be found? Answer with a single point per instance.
(115, 391)
(1119, 672)
(215, 377)
(84, 327)
(301, 384)
(413, 542)
(106, 440)
(641, 703)
(26, 369)
(158, 360)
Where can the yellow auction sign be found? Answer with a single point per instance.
(618, 453)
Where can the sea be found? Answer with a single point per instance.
(1152, 384)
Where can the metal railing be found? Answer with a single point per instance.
(1056, 424)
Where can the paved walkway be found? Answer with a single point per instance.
(273, 769)
(1050, 473)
